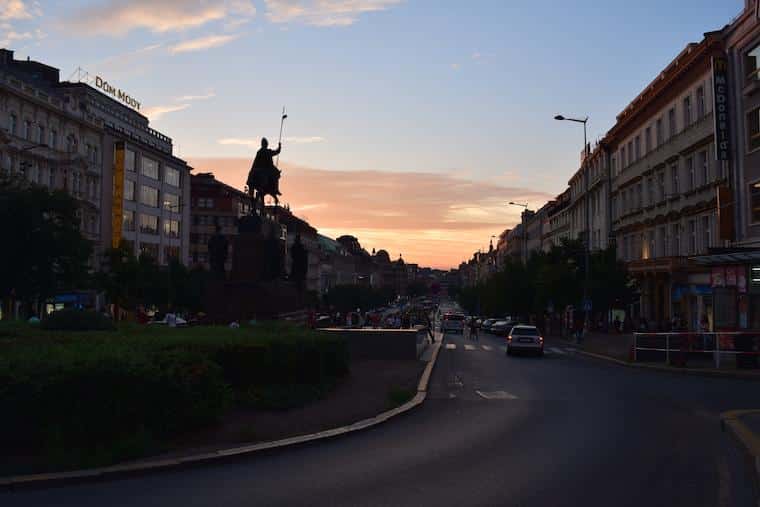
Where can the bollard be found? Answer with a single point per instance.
(667, 349)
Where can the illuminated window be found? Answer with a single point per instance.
(129, 220)
(171, 202)
(148, 224)
(129, 190)
(149, 196)
(171, 176)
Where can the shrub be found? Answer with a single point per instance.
(70, 319)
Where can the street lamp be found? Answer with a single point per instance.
(524, 253)
(587, 245)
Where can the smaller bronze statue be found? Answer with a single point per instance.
(217, 252)
(264, 177)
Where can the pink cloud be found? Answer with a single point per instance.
(432, 219)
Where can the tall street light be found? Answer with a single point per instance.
(587, 245)
(524, 253)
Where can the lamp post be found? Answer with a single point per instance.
(524, 252)
(587, 245)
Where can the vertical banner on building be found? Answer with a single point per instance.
(117, 216)
(720, 97)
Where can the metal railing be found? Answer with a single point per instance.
(680, 346)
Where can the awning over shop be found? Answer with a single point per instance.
(728, 256)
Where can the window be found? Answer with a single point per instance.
(630, 153)
(148, 224)
(129, 190)
(690, 174)
(661, 185)
(692, 237)
(613, 162)
(753, 129)
(706, 233)
(623, 162)
(13, 127)
(676, 243)
(751, 64)
(704, 167)
(40, 134)
(171, 176)
(129, 220)
(27, 130)
(672, 121)
(171, 228)
(686, 111)
(650, 244)
(639, 196)
(53, 138)
(149, 196)
(150, 168)
(674, 179)
(637, 148)
(171, 202)
(701, 109)
(170, 252)
(51, 177)
(650, 191)
(95, 154)
(648, 140)
(658, 131)
(754, 196)
(662, 241)
(129, 160)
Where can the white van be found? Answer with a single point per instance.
(452, 323)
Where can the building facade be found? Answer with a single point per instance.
(664, 181)
(212, 204)
(49, 140)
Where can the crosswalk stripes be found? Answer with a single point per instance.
(489, 348)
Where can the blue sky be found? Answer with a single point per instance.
(465, 89)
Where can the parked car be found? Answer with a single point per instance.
(452, 323)
(171, 320)
(502, 327)
(486, 325)
(525, 338)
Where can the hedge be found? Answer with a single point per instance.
(97, 398)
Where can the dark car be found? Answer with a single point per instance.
(486, 325)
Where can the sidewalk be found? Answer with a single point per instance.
(618, 348)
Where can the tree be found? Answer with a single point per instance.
(48, 252)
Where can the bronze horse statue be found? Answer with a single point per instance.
(264, 177)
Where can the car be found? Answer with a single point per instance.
(502, 327)
(525, 338)
(452, 323)
(486, 325)
(170, 320)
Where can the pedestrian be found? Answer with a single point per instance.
(473, 329)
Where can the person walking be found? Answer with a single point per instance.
(473, 330)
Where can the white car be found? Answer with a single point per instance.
(452, 323)
(525, 338)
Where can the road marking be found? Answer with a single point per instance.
(557, 351)
(496, 395)
(451, 346)
(487, 347)
(469, 347)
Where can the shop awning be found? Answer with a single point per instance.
(741, 256)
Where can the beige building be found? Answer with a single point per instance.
(51, 141)
(664, 181)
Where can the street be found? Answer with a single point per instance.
(495, 430)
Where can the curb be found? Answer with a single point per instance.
(670, 369)
(117, 471)
(748, 440)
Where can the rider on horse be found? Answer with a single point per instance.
(264, 177)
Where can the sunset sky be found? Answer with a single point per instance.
(411, 123)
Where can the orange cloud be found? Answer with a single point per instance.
(432, 219)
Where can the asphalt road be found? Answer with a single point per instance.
(495, 430)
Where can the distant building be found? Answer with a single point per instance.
(214, 203)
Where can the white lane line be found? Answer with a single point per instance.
(451, 346)
(469, 347)
(487, 347)
(496, 395)
(557, 351)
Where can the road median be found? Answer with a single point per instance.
(185, 459)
